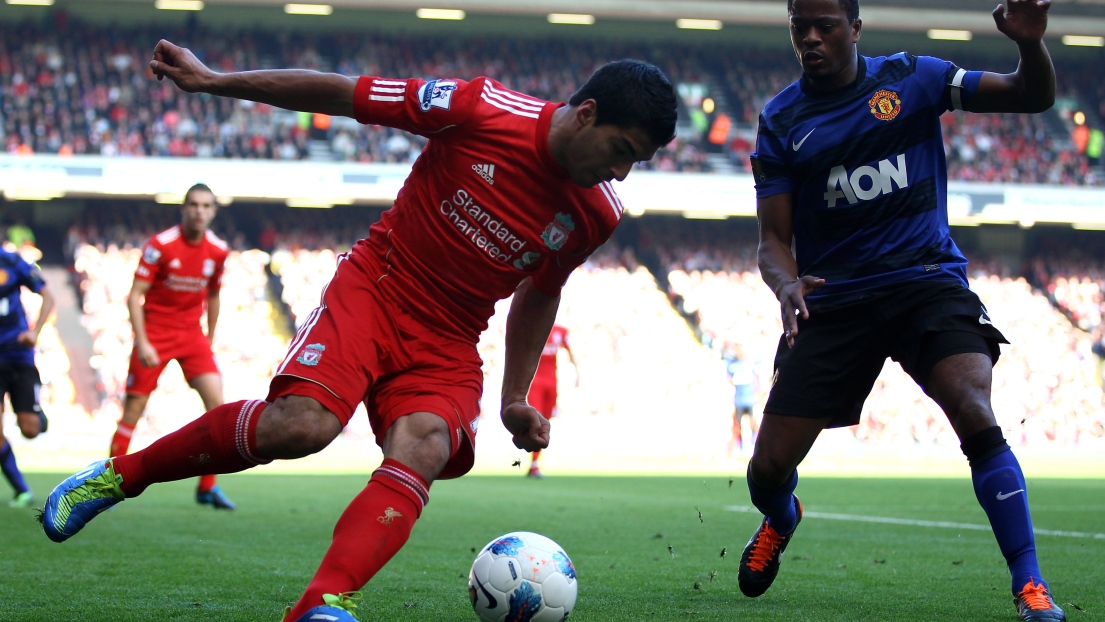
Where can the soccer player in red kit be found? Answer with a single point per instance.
(542, 393)
(509, 196)
(178, 277)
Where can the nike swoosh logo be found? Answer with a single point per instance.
(1003, 497)
(798, 145)
(982, 319)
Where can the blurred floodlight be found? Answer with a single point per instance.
(571, 18)
(308, 9)
(698, 24)
(1084, 41)
(453, 14)
(179, 5)
(940, 34)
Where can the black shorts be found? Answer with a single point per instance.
(22, 384)
(839, 353)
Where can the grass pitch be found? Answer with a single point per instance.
(644, 549)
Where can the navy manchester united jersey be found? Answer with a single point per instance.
(15, 274)
(866, 170)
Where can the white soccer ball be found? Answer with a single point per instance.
(522, 577)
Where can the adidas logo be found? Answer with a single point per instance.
(487, 171)
(175, 263)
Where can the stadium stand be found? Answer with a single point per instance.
(69, 87)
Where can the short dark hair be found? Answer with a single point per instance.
(851, 7)
(201, 187)
(632, 93)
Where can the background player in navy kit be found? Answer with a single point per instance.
(849, 164)
(18, 374)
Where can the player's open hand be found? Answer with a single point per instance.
(181, 66)
(792, 303)
(1023, 21)
(147, 354)
(529, 429)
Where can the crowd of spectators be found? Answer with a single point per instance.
(1047, 387)
(71, 87)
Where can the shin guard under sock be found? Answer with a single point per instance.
(370, 532)
(777, 504)
(222, 440)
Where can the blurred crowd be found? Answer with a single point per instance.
(654, 316)
(68, 87)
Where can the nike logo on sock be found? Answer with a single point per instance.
(1004, 496)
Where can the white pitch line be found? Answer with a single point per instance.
(919, 523)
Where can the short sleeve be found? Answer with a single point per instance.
(771, 173)
(422, 107)
(148, 262)
(952, 86)
(216, 282)
(30, 275)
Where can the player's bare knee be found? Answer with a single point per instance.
(421, 441)
(294, 427)
(769, 471)
(28, 427)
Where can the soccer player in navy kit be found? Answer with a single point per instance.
(849, 165)
(18, 374)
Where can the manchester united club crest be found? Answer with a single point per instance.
(556, 234)
(885, 105)
(311, 354)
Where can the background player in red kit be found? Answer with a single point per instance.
(542, 393)
(178, 277)
(509, 196)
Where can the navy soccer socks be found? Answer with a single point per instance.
(11, 470)
(777, 504)
(1001, 491)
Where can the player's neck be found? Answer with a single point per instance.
(192, 237)
(558, 134)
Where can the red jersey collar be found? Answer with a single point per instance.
(544, 122)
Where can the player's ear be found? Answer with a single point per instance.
(857, 26)
(586, 113)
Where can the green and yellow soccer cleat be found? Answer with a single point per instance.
(22, 500)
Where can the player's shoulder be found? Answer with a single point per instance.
(216, 241)
(605, 203)
(504, 103)
(166, 237)
(784, 100)
(896, 67)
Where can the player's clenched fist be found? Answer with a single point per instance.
(529, 429)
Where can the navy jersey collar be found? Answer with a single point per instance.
(861, 73)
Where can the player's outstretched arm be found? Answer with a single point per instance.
(777, 265)
(1031, 88)
(528, 325)
(292, 89)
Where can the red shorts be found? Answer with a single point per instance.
(189, 347)
(359, 347)
(542, 396)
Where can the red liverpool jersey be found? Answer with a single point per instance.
(546, 368)
(181, 275)
(485, 205)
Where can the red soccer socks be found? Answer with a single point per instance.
(370, 532)
(223, 440)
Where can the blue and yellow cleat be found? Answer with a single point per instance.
(336, 609)
(216, 498)
(79, 499)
